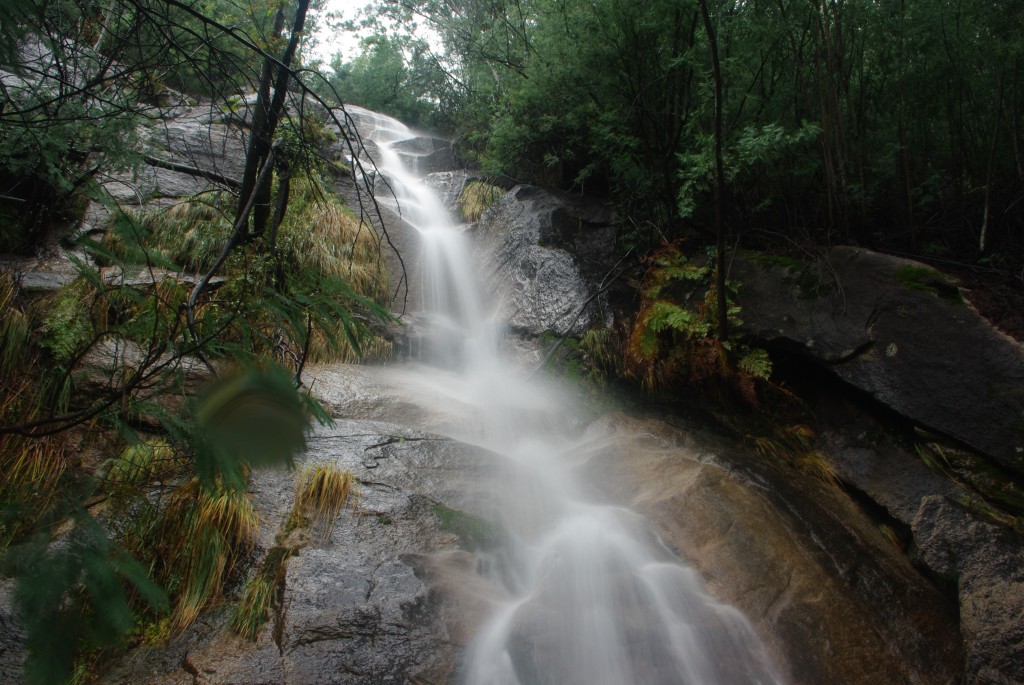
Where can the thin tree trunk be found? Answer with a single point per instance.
(260, 137)
(716, 74)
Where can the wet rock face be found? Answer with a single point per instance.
(987, 563)
(189, 139)
(368, 600)
(392, 594)
(800, 560)
(424, 155)
(449, 186)
(12, 637)
(898, 331)
(545, 256)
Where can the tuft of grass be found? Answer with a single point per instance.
(892, 538)
(979, 506)
(476, 198)
(603, 348)
(976, 473)
(14, 330)
(334, 346)
(32, 474)
(253, 609)
(794, 445)
(320, 233)
(201, 536)
(261, 594)
(321, 492)
(34, 471)
(189, 234)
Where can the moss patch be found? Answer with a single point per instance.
(928, 280)
(473, 532)
(770, 260)
(807, 276)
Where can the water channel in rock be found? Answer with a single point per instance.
(583, 592)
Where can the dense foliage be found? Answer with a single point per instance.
(891, 123)
(136, 399)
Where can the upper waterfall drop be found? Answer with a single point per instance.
(451, 297)
(585, 593)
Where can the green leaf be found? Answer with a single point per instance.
(252, 418)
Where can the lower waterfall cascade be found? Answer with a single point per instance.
(584, 592)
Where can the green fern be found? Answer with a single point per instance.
(67, 325)
(756, 362)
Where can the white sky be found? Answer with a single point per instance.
(330, 41)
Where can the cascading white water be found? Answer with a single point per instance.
(588, 595)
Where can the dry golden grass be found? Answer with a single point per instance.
(794, 445)
(31, 473)
(321, 492)
(476, 198)
(322, 234)
(322, 351)
(31, 469)
(201, 535)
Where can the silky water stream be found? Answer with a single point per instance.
(586, 593)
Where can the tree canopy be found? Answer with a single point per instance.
(890, 123)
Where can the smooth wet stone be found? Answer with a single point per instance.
(545, 256)
(799, 559)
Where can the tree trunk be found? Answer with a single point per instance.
(716, 74)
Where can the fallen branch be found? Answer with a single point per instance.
(209, 175)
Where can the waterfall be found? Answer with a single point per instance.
(586, 594)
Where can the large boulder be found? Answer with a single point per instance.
(546, 255)
(898, 331)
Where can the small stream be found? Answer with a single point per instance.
(585, 593)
